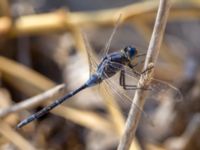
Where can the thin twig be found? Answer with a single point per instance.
(145, 79)
(34, 101)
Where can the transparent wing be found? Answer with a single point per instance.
(162, 88)
(158, 87)
(107, 46)
(125, 99)
(92, 59)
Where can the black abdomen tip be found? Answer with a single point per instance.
(21, 124)
(26, 121)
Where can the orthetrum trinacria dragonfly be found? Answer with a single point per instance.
(120, 61)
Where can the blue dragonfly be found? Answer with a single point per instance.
(120, 61)
(108, 67)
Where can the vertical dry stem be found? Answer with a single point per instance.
(144, 81)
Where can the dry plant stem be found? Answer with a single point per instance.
(145, 79)
(33, 101)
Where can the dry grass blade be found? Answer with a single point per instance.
(22, 78)
(6, 102)
(14, 137)
(33, 101)
(145, 79)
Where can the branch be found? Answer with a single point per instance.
(34, 101)
(145, 79)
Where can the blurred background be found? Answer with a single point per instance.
(42, 45)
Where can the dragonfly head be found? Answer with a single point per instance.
(130, 52)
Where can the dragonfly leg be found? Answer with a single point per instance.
(122, 82)
(147, 70)
(139, 73)
(132, 66)
(136, 72)
(133, 69)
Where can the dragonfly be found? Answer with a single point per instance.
(110, 64)
(108, 67)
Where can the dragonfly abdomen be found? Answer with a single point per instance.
(51, 106)
(94, 80)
